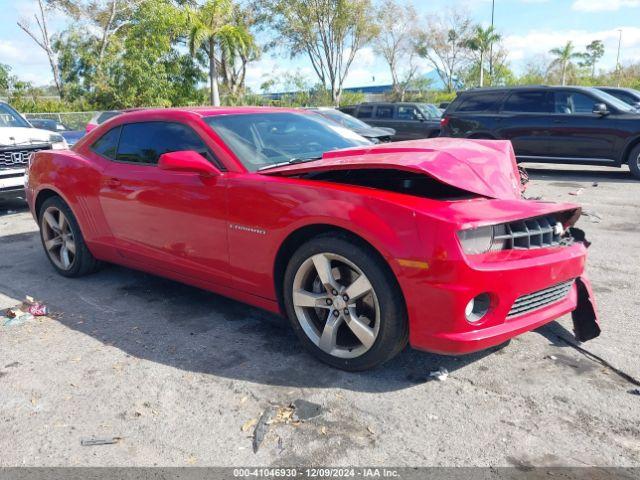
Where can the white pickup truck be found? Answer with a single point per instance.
(18, 141)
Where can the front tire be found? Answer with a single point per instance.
(344, 303)
(63, 241)
(634, 161)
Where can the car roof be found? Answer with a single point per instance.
(525, 87)
(202, 111)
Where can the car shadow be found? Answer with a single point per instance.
(158, 320)
(571, 177)
(11, 206)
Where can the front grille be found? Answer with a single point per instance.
(531, 233)
(18, 157)
(539, 299)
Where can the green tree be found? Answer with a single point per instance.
(5, 77)
(235, 56)
(329, 32)
(395, 43)
(480, 42)
(213, 29)
(595, 51)
(443, 44)
(564, 60)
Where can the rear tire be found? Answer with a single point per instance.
(352, 334)
(634, 161)
(62, 240)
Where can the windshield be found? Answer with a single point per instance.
(613, 101)
(430, 110)
(10, 118)
(343, 119)
(260, 140)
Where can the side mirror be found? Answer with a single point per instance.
(187, 161)
(600, 109)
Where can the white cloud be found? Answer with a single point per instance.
(538, 42)
(603, 5)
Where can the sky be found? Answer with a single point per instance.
(530, 28)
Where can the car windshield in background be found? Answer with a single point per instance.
(10, 118)
(430, 110)
(260, 140)
(344, 119)
(611, 100)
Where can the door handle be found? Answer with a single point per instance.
(113, 182)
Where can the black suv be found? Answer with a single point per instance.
(410, 120)
(627, 95)
(577, 125)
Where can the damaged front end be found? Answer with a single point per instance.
(585, 318)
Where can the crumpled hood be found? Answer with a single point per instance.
(484, 167)
(11, 136)
(375, 132)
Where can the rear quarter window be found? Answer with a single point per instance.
(480, 102)
(107, 144)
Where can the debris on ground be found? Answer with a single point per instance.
(594, 217)
(304, 410)
(246, 426)
(577, 192)
(90, 442)
(441, 374)
(552, 357)
(22, 313)
(14, 316)
(292, 414)
(635, 391)
(594, 184)
(262, 427)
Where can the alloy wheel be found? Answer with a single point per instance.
(336, 305)
(58, 238)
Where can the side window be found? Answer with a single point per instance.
(365, 111)
(573, 103)
(408, 112)
(145, 142)
(384, 111)
(528, 102)
(481, 102)
(107, 144)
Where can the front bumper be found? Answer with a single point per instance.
(11, 183)
(436, 301)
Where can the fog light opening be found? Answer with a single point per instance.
(477, 307)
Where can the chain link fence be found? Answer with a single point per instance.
(72, 120)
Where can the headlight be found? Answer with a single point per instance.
(483, 239)
(58, 142)
(476, 240)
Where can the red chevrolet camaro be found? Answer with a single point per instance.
(363, 247)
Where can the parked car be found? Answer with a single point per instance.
(411, 121)
(18, 141)
(71, 136)
(275, 208)
(101, 117)
(375, 134)
(627, 95)
(570, 125)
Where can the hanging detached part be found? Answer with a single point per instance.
(585, 318)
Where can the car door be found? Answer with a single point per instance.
(170, 220)
(578, 134)
(412, 122)
(525, 120)
(383, 116)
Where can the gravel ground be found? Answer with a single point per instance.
(176, 373)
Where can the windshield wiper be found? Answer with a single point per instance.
(291, 161)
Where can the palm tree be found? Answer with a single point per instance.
(481, 42)
(213, 28)
(564, 56)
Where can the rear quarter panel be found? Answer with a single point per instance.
(77, 180)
